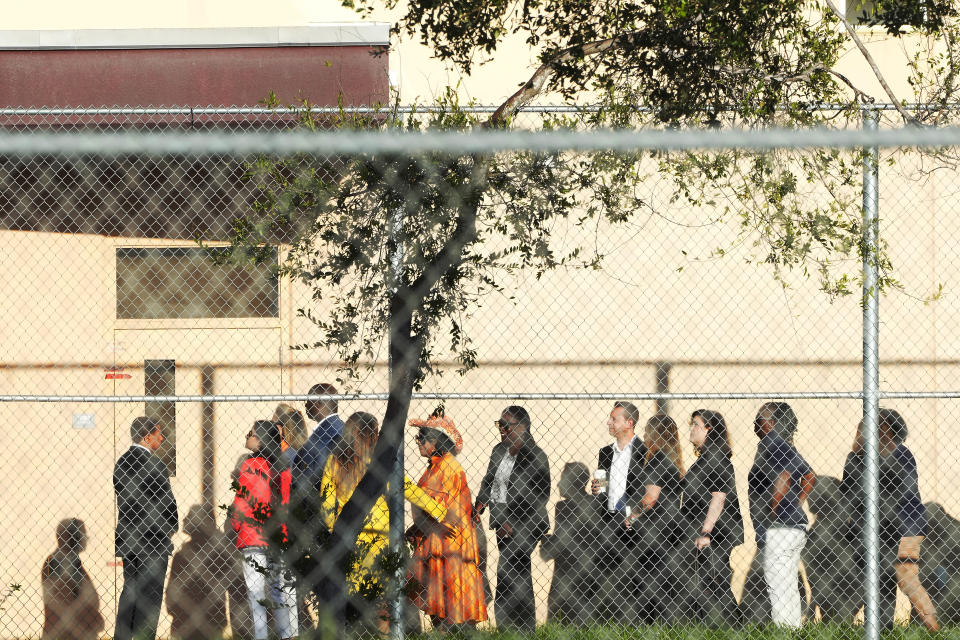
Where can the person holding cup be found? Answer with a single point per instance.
(617, 482)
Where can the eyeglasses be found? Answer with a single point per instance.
(504, 426)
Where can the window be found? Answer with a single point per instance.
(183, 282)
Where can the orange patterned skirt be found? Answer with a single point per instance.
(448, 581)
(444, 569)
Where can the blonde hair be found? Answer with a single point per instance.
(355, 449)
(293, 424)
(665, 436)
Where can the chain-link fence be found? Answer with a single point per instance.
(191, 300)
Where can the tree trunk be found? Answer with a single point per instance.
(404, 351)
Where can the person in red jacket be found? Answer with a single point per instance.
(263, 492)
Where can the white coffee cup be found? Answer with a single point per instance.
(600, 475)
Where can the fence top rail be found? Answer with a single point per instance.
(182, 110)
(774, 395)
(326, 143)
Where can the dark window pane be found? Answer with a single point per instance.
(183, 282)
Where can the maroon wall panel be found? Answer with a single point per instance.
(239, 76)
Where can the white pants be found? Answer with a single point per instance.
(781, 564)
(259, 571)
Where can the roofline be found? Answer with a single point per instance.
(312, 35)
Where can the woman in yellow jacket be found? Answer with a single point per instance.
(345, 466)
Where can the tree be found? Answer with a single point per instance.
(401, 248)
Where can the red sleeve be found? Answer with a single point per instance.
(286, 479)
(254, 490)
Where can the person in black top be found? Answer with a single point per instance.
(516, 487)
(656, 518)
(712, 521)
(777, 484)
(903, 518)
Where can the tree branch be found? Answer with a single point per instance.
(873, 65)
(532, 87)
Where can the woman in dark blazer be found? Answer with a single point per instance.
(713, 522)
(515, 487)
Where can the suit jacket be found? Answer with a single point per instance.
(527, 490)
(146, 508)
(634, 472)
(312, 457)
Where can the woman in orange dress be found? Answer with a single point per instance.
(444, 567)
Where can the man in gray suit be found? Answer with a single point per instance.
(146, 518)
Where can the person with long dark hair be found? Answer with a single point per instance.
(258, 514)
(712, 521)
(903, 517)
(656, 518)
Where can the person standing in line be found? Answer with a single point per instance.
(445, 567)
(713, 522)
(306, 525)
(903, 517)
(778, 483)
(345, 467)
(516, 487)
(621, 464)
(655, 515)
(263, 492)
(146, 519)
(312, 457)
(293, 430)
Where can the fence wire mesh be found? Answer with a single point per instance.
(191, 303)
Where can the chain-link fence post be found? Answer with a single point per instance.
(395, 486)
(871, 376)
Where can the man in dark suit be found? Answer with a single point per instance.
(516, 487)
(146, 518)
(622, 463)
(310, 460)
(306, 527)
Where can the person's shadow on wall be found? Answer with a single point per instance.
(71, 606)
(202, 573)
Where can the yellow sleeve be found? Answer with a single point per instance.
(328, 494)
(420, 498)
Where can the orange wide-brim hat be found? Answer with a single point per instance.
(444, 424)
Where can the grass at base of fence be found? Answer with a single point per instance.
(807, 632)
